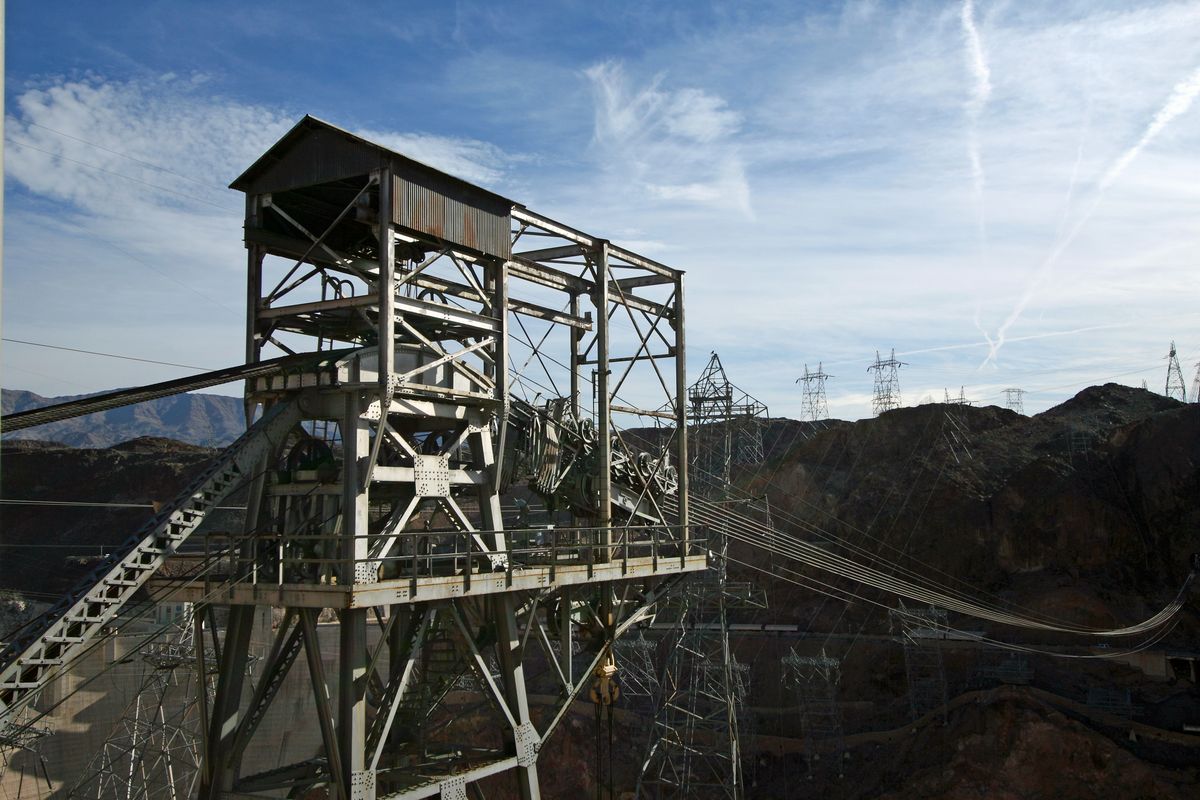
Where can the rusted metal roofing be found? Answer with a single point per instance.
(424, 200)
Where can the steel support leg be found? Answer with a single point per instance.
(513, 670)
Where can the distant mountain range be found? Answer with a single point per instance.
(204, 419)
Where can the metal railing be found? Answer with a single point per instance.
(266, 558)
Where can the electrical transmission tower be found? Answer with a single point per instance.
(1175, 387)
(815, 680)
(639, 673)
(1196, 385)
(700, 728)
(960, 399)
(813, 406)
(921, 631)
(154, 750)
(887, 383)
(1015, 399)
(725, 428)
(21, 741)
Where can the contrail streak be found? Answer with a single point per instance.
(1180, 100)
(1027, 338)
(1083, 132)
(980, 92)
(1178, 103)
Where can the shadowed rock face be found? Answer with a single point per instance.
(1098, 492)
(1015, 748)
(45, 548)
(1087, 512)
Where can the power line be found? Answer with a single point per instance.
(106, 355)
(86, 504)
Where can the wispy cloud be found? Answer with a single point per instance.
(676, 144)
(1180, 100)
(130, 185)
(981, 91)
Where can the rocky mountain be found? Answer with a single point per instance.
(1098, 493)
(203, 419)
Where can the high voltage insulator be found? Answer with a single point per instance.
(813, 406)
(1175, 387)
(887, 383)
(1015, 399)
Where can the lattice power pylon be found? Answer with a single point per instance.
(1014, 399)
(725, 428)
(887, 383)
(1174, 386)
(21, 740)
(957, 400)
(813, 405)
(154, 750)
(1196, 385)
(814, 679)
(700, 725)
(921, 631)
(637, 658)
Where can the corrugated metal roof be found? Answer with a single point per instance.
(309, 125)
(425, 200)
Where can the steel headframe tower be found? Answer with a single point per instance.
(1175, 387)
(388, 432)
(887, 383)
(1015, 399)
(725, 428)
(813, 405)
(424, 278)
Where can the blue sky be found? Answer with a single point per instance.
(1004, 192)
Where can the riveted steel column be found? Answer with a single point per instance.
(352, 640)
(386, 289)
(603, 401)
(681, 385)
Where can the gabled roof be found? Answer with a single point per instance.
(365, 149)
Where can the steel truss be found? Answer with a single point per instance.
(887, 383)
(921, 631)
(815, 680)
(725, 428)
(701, 726)
(814, 406)
(155, 748)
(1174, 387)
(390, 308)
(385, 501)
(21, 738)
